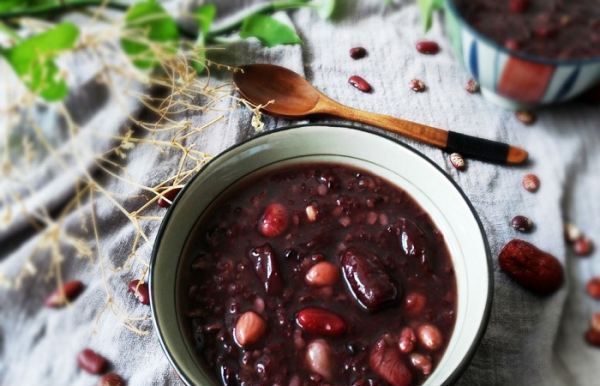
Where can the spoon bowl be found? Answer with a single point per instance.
(277, 90)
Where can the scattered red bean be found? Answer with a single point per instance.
(417, 85)
(430, 337)
(428, 47)
(526, 117)
(522, 223)
(407, 340)
(472, 86)
(140, 290)
(67, 293)
(320, 322)
(583, 246)
(531, 268)
(518, 6)
(457, 161)
(274, 220)
(593, 337)
(358, 52)
(249, 329)
(91, 361)
(167, 197)
(319, 358)
(593, 333)
(111, 379)
(593, 287)
(531, 183)
(421, 362)
(360, 83)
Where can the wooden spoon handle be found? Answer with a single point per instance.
(468, 146)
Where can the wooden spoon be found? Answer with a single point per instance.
(282, 92)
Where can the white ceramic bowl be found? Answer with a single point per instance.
(447, 205)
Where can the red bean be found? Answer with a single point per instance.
(91, 361)
(168, 197)
(111, 379)
(360, 83)
(320, 322)
(140, 290)
(358, 52)
(274, 220)
(415, 303)
(65, 294)
(428, 47)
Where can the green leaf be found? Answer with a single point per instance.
(427, 7)
(152, 24)
(32, 59)
(269, 31)
(205, 15)
(325, 8)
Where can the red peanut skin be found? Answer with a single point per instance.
(140, 290)
(320, 322)
(531, 268)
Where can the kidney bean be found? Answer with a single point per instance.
(168, 197)
(358, 53)
(359, 83)
(65, 294)
(428, 47)
(320, 322)
(140, 290)
(111, 379)
(91, 361)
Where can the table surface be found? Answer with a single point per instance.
(529, 341)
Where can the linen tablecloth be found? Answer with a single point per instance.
(529, 341)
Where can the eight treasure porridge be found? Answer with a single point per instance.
(318, 274)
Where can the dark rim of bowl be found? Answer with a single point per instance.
(462, 366)
(450, 6)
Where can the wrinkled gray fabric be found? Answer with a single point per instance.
(529, 341)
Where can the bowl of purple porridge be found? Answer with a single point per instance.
(527, 53)
(320, 255)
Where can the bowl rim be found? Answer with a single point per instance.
(464, 363)
(451, 7)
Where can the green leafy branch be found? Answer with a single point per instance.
(148, 32)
